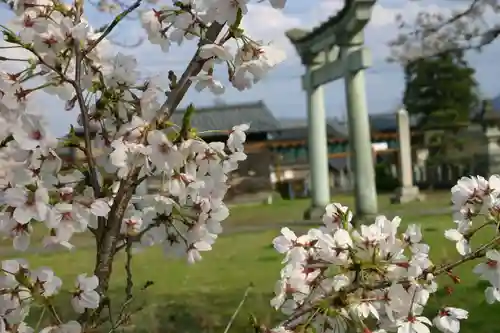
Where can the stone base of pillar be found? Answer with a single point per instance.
(359, 219)
(314, 213)
(407, 194)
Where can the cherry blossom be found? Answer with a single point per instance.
(396, 297)
(335, 276)
(462, 243)
(490, 270)
(448, 319)
(207, 81)
(413, 324)
(85, 296)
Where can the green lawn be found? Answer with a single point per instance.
(202, 297)
(291, 210)
(279, 213)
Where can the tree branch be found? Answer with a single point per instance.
(195, 66)
(128, 271)
(112, 25)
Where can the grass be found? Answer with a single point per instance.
(279, 213)
(286, 210)
(202, 297)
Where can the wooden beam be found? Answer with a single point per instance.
(352, 21)
(331, 71)
(345, 154)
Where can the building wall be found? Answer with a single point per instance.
(253, 175)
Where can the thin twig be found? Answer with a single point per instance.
(112, 25)
(137, 238)
(39, 322)
(84, 112)
(451, 20)
(238, 309)
(193, 69)
(128, 270)
(13, 59)
(53, 312)
(128, 289)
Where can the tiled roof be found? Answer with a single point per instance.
(387, 122)
(296, 129)
(224, 117)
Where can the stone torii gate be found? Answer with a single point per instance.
(329, 52)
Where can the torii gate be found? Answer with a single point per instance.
(329, 52)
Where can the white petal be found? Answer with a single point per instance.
(71, 327)
(202, 246)
(493, 255)
(22, 215)
(453, 235)
(15, 197)
(492, 295)
(75, 302)
(281, 244)
(419, 327)
(289, 234)
(100, 208)
(90, 299)
(463, 247)
(21, 242)
(91, 283)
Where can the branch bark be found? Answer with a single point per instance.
(109, 232)
(194, 68)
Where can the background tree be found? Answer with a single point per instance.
(470, 25)
(441, 92)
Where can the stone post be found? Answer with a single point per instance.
(317, 152)
(407, 192)
(141, 190)
(493, 150)
(360, 140)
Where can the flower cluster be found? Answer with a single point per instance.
(128, 141)
(337, 276)
(432, 32)
(246, 66)
(23, 288)
(129, 124)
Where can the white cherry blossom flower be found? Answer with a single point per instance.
(221, 53)
(45, 279)
(69, 327)
(85, 296)
(237, 137)
(207, 81)
(462, 244)
(448, 319)
(28, 205)
(414, 324)
(490, 271)
(492, 295)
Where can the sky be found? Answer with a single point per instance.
(281, 89)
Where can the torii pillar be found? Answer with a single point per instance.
(329, 52)
(317, 149)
